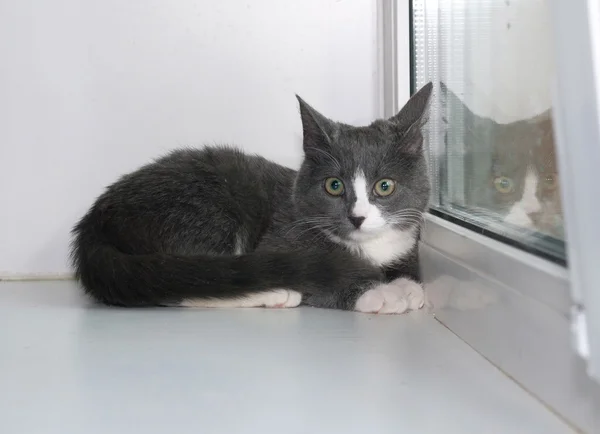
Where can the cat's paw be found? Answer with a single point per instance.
(397, 296)
(282, 298)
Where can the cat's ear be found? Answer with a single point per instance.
(317, 129)
(452, 104)
(411, 118)
(545, 116)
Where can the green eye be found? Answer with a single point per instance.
(550, 182)
(334, 186)
(384, 187)
(503, 184)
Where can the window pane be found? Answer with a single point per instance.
(490, 137)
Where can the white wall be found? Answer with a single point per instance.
(92, 89)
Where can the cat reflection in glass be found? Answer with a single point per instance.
(509, 172)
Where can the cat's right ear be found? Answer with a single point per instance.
(411, 118)
(452, 104)
(317, 129)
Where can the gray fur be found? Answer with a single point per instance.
(218, 223)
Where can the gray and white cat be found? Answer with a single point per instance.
(509, 170)
(215, 227)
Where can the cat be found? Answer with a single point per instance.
(510, 172)
(216, 227)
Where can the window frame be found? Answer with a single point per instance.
(537, 329)
(577, 98)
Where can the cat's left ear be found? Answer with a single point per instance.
(318, 130)
(411, 118)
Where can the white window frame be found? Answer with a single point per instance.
(534, 319)
(576, 97)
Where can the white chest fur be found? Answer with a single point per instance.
(386, 248)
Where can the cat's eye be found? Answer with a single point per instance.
(334, 186)
(384, 187)
(503, 184)
(550, 182)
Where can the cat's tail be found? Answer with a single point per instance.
(116, 278)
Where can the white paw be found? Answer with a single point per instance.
(281, 298)
(398, 296)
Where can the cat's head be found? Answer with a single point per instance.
(357, 183)
(509, 171)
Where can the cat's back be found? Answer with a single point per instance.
(221, 160)
(219, 167)
(191, 201)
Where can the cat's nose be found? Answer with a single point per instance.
(356, 221)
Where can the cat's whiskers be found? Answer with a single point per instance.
(319, 224)
(307, 221)
(409, 210)
(320, 235)
(406, 224)
(407, 217)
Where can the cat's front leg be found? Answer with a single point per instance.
(398, 296)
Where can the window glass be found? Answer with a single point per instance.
(490, 137)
